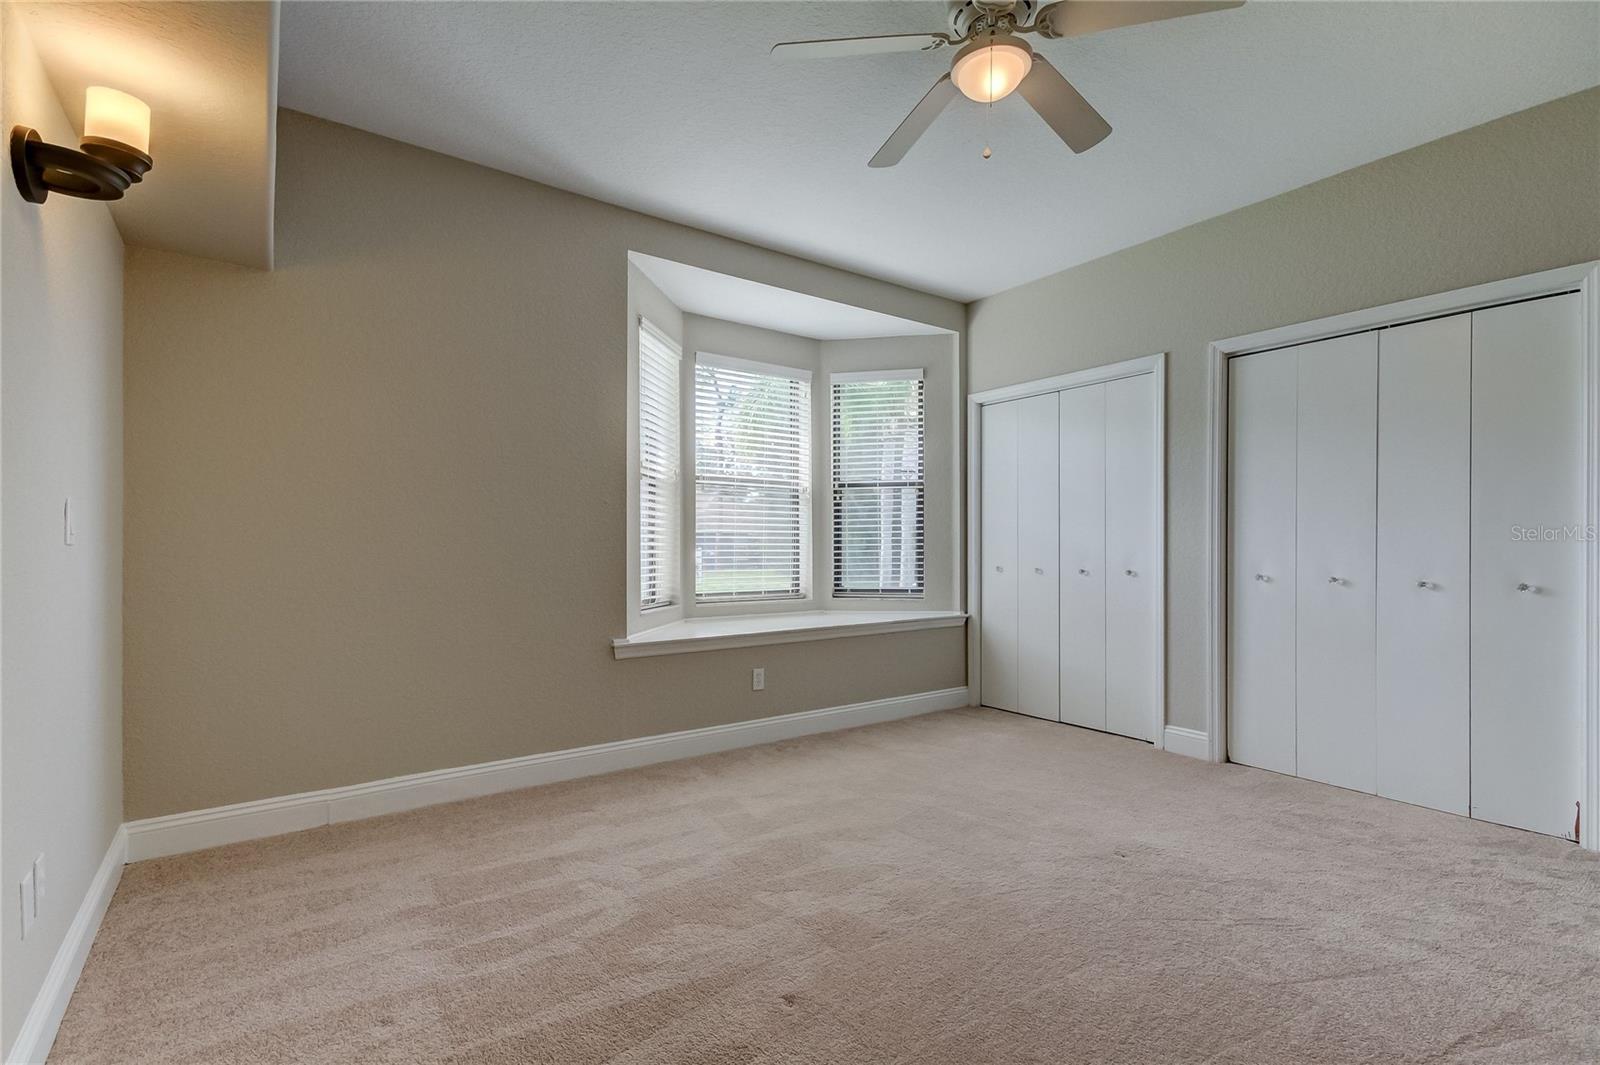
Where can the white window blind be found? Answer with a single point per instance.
(752, 468)
(659, 359)
(878, 486)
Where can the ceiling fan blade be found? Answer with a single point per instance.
(843, 46)
(916, 123)
(1077, 18)
(1062, 107)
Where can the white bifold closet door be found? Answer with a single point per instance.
(1132, 509)
(1424, 564)
(998, 633)
(1083, 556)
(1038, 557)
(1262, 428)
(1528, 571)
(1336, 562)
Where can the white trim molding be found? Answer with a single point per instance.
(757, 630)
(1191, 743)
(38, 1032)
(768, 369)
(157, 837)
(1583, 278)
(1144, 364)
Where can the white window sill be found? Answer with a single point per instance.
(754, 630)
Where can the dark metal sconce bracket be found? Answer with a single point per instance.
(102, 171)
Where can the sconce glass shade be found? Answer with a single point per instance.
(115, 152)
(109, 114)
(991, 68)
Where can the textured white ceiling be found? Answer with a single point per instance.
(735, 299)
(207, 70)
(676, 109)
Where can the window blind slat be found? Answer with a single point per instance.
(752, 481)
(879, 491)
(659, 360)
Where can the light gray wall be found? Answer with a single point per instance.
(1511, 197)
(60, 606)
(377, 516)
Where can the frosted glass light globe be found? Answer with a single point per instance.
(991, 68)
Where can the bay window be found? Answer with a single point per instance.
(879, 491)
(752, 480)
(659, 362)
(788, 479)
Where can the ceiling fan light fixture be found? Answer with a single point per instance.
(991, 68)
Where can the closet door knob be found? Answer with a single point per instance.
(1424, 585)
(1263, 578)
(1526, 588)
(1083, 572)
(999, 569)
(1130, 573)
(1039, 571)
(1335, 580)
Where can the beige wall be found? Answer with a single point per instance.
(60, 622)
(1511, 197)
(376, 511)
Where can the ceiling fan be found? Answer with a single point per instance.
(992, 60)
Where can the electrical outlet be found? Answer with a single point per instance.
(758, 679)
(38, 886)
(25, 898)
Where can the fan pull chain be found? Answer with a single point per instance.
(990, 110)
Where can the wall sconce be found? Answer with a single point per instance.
(115, 155)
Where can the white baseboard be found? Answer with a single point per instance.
(178, 833)
(1188, 742)
(38, 1030)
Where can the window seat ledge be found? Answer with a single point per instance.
(754, 630)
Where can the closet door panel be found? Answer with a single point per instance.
(1262, 415)
(1083, 556)
(1132, 507)
(1424, 575)
(997, 634)
(1528, 496)
(1336, 562)
(1038, 556)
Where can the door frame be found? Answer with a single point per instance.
(1155, 365)
(1583, 278)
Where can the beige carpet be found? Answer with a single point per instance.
(961, 888)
